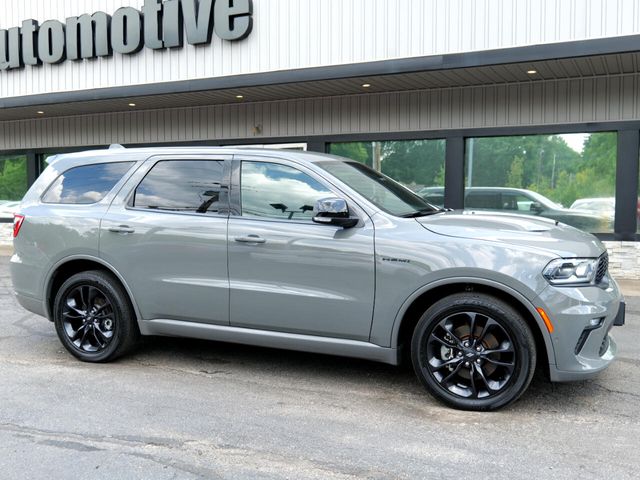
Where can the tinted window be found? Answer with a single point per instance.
(86, 184)
(277, 191)
(181, 186)
(483, 200)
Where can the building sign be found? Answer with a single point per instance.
(160, 24)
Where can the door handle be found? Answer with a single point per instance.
(250, 239)
(122, 229)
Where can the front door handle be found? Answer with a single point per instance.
(250, 239)
(122, 229)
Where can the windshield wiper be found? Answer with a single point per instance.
(423, 213)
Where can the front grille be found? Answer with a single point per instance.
(603, 266)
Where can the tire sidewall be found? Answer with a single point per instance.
(508, 319)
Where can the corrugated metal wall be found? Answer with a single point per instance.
(292, 34)
(532, 103)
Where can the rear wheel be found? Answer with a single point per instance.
(473, 352)
(94, 318)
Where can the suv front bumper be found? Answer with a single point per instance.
(582, 318)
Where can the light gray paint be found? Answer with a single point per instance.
(271, 339)
(307, 287)
(197, 288)
(533, 103)
(508, 252)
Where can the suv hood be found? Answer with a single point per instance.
(540, 233)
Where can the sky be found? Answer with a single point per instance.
(575, 140)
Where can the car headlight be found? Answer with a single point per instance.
(571, 271)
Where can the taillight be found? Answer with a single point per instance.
(17, 223)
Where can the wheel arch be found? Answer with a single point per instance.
(69, 266)
(414, 307)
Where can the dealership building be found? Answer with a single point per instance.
(456, 99)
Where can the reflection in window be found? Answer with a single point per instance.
(13, 178)
(181, 186)
(569, 177)
(417, 164)
(86, 184)
(277, 191)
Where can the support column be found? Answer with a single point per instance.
(454, 173)
(627, 184)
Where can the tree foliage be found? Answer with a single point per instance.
(13, 178)
(543, 163)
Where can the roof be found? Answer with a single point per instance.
(117, 153)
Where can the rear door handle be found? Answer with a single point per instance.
(122, 229)
(250, 239)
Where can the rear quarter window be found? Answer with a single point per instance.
(86, 184)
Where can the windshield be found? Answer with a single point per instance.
(384, 192)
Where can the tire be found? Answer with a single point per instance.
(481, 368)
(94, 318)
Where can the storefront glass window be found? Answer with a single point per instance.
(569, 178)
(13, 178)
(417, 164)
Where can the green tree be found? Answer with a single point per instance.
(516, 173)
(13, 178)
(358, 151)
(414, 162)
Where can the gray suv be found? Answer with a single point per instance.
(309, 252)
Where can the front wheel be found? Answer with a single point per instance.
(473, 352)
(94, 318)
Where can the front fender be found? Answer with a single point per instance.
(526, 300)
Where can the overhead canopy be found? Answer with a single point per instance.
(534, 64)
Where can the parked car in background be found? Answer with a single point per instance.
(7, 209)
(605, 206)
(527, 202)
(309, 252)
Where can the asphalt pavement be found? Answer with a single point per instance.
(187, 409)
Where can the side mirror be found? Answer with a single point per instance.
(333, 211)
(536, 207)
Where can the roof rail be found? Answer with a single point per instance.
(116, 146)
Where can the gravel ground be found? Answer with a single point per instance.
(187, 409)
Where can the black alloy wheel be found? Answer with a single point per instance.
(88, 318)
(94, 318)
(473, 352)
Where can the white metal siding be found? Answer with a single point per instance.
(532, 103)
(290, 34)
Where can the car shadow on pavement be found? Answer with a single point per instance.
(208, 357)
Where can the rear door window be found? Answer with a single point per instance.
(191, 186)
(86, 184)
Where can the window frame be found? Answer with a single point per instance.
(223, 210)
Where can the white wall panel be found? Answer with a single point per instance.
(290, 34)
(555, 102)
